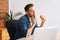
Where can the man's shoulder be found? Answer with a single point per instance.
(23, 18)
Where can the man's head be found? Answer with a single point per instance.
(29, 9)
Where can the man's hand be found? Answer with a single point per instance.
(31, 27)
(43, 20)
(34, 20)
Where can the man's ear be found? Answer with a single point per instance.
(26, 12)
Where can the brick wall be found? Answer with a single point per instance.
(3, 9)
(3, 6)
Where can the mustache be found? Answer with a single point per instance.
(33, 16)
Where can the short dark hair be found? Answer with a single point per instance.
(26, 8)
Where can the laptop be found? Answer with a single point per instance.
(45, 33)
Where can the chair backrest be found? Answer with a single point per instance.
(11, 26)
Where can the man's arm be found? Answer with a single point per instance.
(42, 24)
(29, 31)
(43, 20)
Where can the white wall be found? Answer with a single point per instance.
(49, 8)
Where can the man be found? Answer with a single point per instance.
(27, 23)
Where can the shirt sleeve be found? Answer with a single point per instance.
(36, 25)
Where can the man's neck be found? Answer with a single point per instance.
(29, 18)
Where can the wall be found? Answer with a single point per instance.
(49, 8)
(3, 5)
(3, 9)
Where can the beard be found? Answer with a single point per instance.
(31, 15)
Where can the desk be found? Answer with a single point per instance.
(31, 37)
